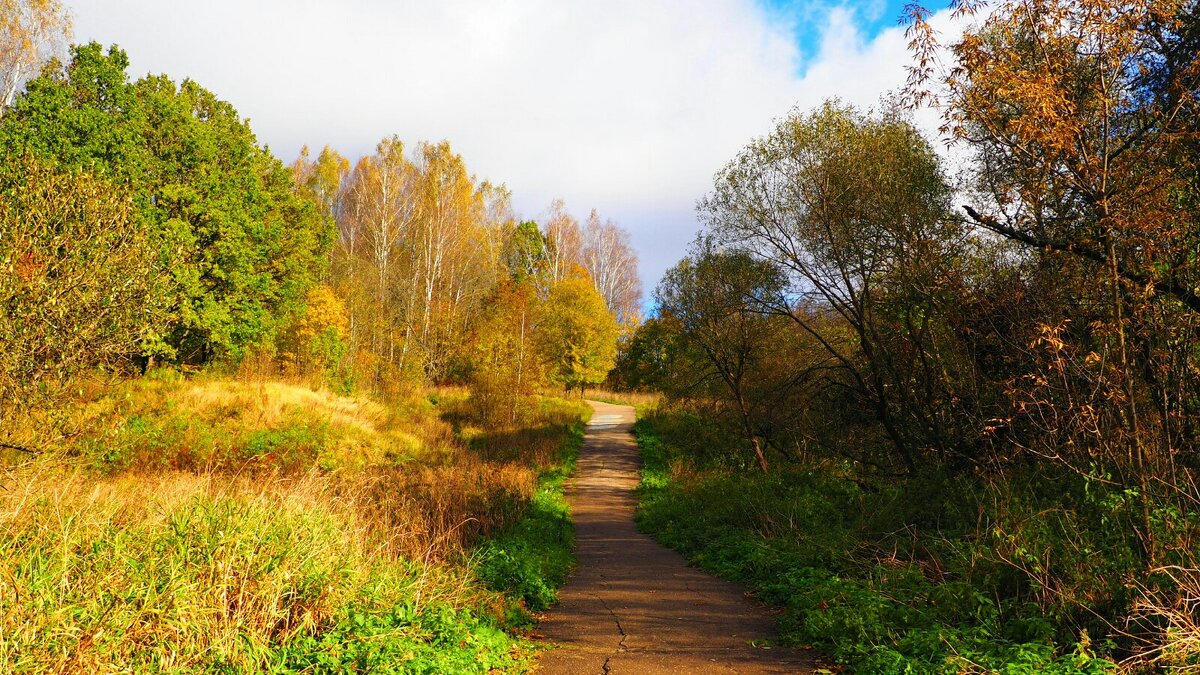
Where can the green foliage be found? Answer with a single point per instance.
(532, 560)
(645, 359)
(185, 442)
(525, 255)
(853, 210)
(211, 570)
(219, 210)
(854, 577)
(405, 639)
(77, 285)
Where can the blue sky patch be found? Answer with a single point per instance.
(809, 18)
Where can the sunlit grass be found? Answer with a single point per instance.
(220, 525)
(633, 398)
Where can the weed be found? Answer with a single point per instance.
(851, 572)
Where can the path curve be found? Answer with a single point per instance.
(634, 606)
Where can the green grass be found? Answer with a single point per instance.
(228, 580)
(220, 527)
(532, 559)
(834, 557)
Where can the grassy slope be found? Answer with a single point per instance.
(218, 526)
(812, 545)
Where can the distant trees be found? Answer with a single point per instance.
(442, 283)
(417, 253)
(564, 242)
(611, 262)
(577, 334)
(507, 364)
(397, 270)
(604, 251)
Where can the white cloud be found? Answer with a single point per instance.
(626, 106)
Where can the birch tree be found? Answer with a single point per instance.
(564, 242)
(610, 260)
(30, 32)
(383, 211)
(448, 262)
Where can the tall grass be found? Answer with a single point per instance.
(633, 398)
(885, 579)
(222, 526)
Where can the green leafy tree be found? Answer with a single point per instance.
(242, 249)
(855, 210)
(525, 254)
(644, 360)
(715, 298)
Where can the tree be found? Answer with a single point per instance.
(603, 250)
(1083, 117)
(241, 248)
(426, 238)
(506, 366)
(564, 242)
(716, 299)
(382, 210)
(1075, 109)
(854, 209)
(79, 285)
(316, 341)
(610, 260)
(645, 361)
(324, 182)
(577, 336)
(525, 254)
(30, 32)
(452, 257)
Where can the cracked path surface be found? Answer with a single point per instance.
(634, 606)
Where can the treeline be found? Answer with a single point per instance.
(1020, 349)
(142, 223)
(427, 262)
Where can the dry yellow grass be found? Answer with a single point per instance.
(113, 559)
(634, 398)
(177, 570)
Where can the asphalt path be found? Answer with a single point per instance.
(635, 607)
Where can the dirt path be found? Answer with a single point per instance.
(634, 606)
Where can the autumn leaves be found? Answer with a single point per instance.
(442, 283)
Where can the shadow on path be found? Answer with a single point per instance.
(634, 606)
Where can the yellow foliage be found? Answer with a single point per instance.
(577, 334)
(315, 343)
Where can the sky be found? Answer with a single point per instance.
(629, 107)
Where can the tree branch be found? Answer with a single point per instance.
(20, 448)
(1171, 287)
